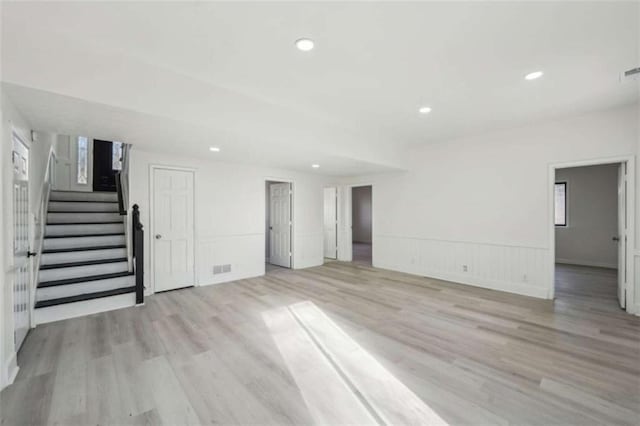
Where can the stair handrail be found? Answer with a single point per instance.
(40, 223)
(122, 181)
(138, 253)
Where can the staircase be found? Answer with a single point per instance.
(84, 267)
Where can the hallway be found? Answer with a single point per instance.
(592, 288)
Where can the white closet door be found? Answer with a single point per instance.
(21, 232)
(330, 223)
(173, 229)
(622, 234)
(280, 224)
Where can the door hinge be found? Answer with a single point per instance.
(289, 254)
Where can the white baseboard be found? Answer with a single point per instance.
(11, 370)
(522, 289)
(586, 263)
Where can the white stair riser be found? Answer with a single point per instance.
(58, 291)
(83, 217)
(82, 271)
(79, 230)
(83, 196)
(55, 206)
(87, 307)
(73, 242)
(82, 256)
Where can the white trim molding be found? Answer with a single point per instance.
(11, 370)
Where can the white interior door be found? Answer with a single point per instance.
(21, 233)
(280, 224)
(330, 223)
(173, 229)
(622, 234)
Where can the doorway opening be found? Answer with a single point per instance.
(361, 225)
(107, 162)
(591, 218)
(278, 225)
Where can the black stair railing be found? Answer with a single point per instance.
(138, 253)
(121, 206)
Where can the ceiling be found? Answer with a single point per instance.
(180, 77)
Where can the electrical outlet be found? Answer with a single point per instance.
(465, 268)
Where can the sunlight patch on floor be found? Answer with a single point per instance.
(339, 380)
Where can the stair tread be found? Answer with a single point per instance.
(83, 235)
(82, 263)
(80, 212)
(83, 297)
(84, 201)
(68, 191)
(84, 223)
(83, 279)
(72, 249)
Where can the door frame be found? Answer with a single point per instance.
(266, 180)
(347, 210)
(337, 189)
(152, 269)
(631, 210)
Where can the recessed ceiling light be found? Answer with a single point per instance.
(304, 44)
(424, 110)
(315, 166)
(214, 149)
(533, 75)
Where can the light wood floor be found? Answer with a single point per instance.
(341, 343)
(362, 253)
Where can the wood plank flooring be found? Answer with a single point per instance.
(361, 254)
(336, 344)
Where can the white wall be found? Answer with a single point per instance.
(361, 214)
(592, 216)
(267, 222)
(230, 214)
(481, 203)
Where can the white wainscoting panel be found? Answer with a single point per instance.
(245, 254)
(308, 250)
(635, 308)
(520, 270)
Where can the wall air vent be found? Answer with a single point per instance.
(221, 269)
(631, 75)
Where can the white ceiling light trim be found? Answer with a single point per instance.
(214, 149)
(424, 110)
(305, 44)
(315, 166)
(533, 75)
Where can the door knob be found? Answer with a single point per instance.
(158, 236)
(616, 238)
